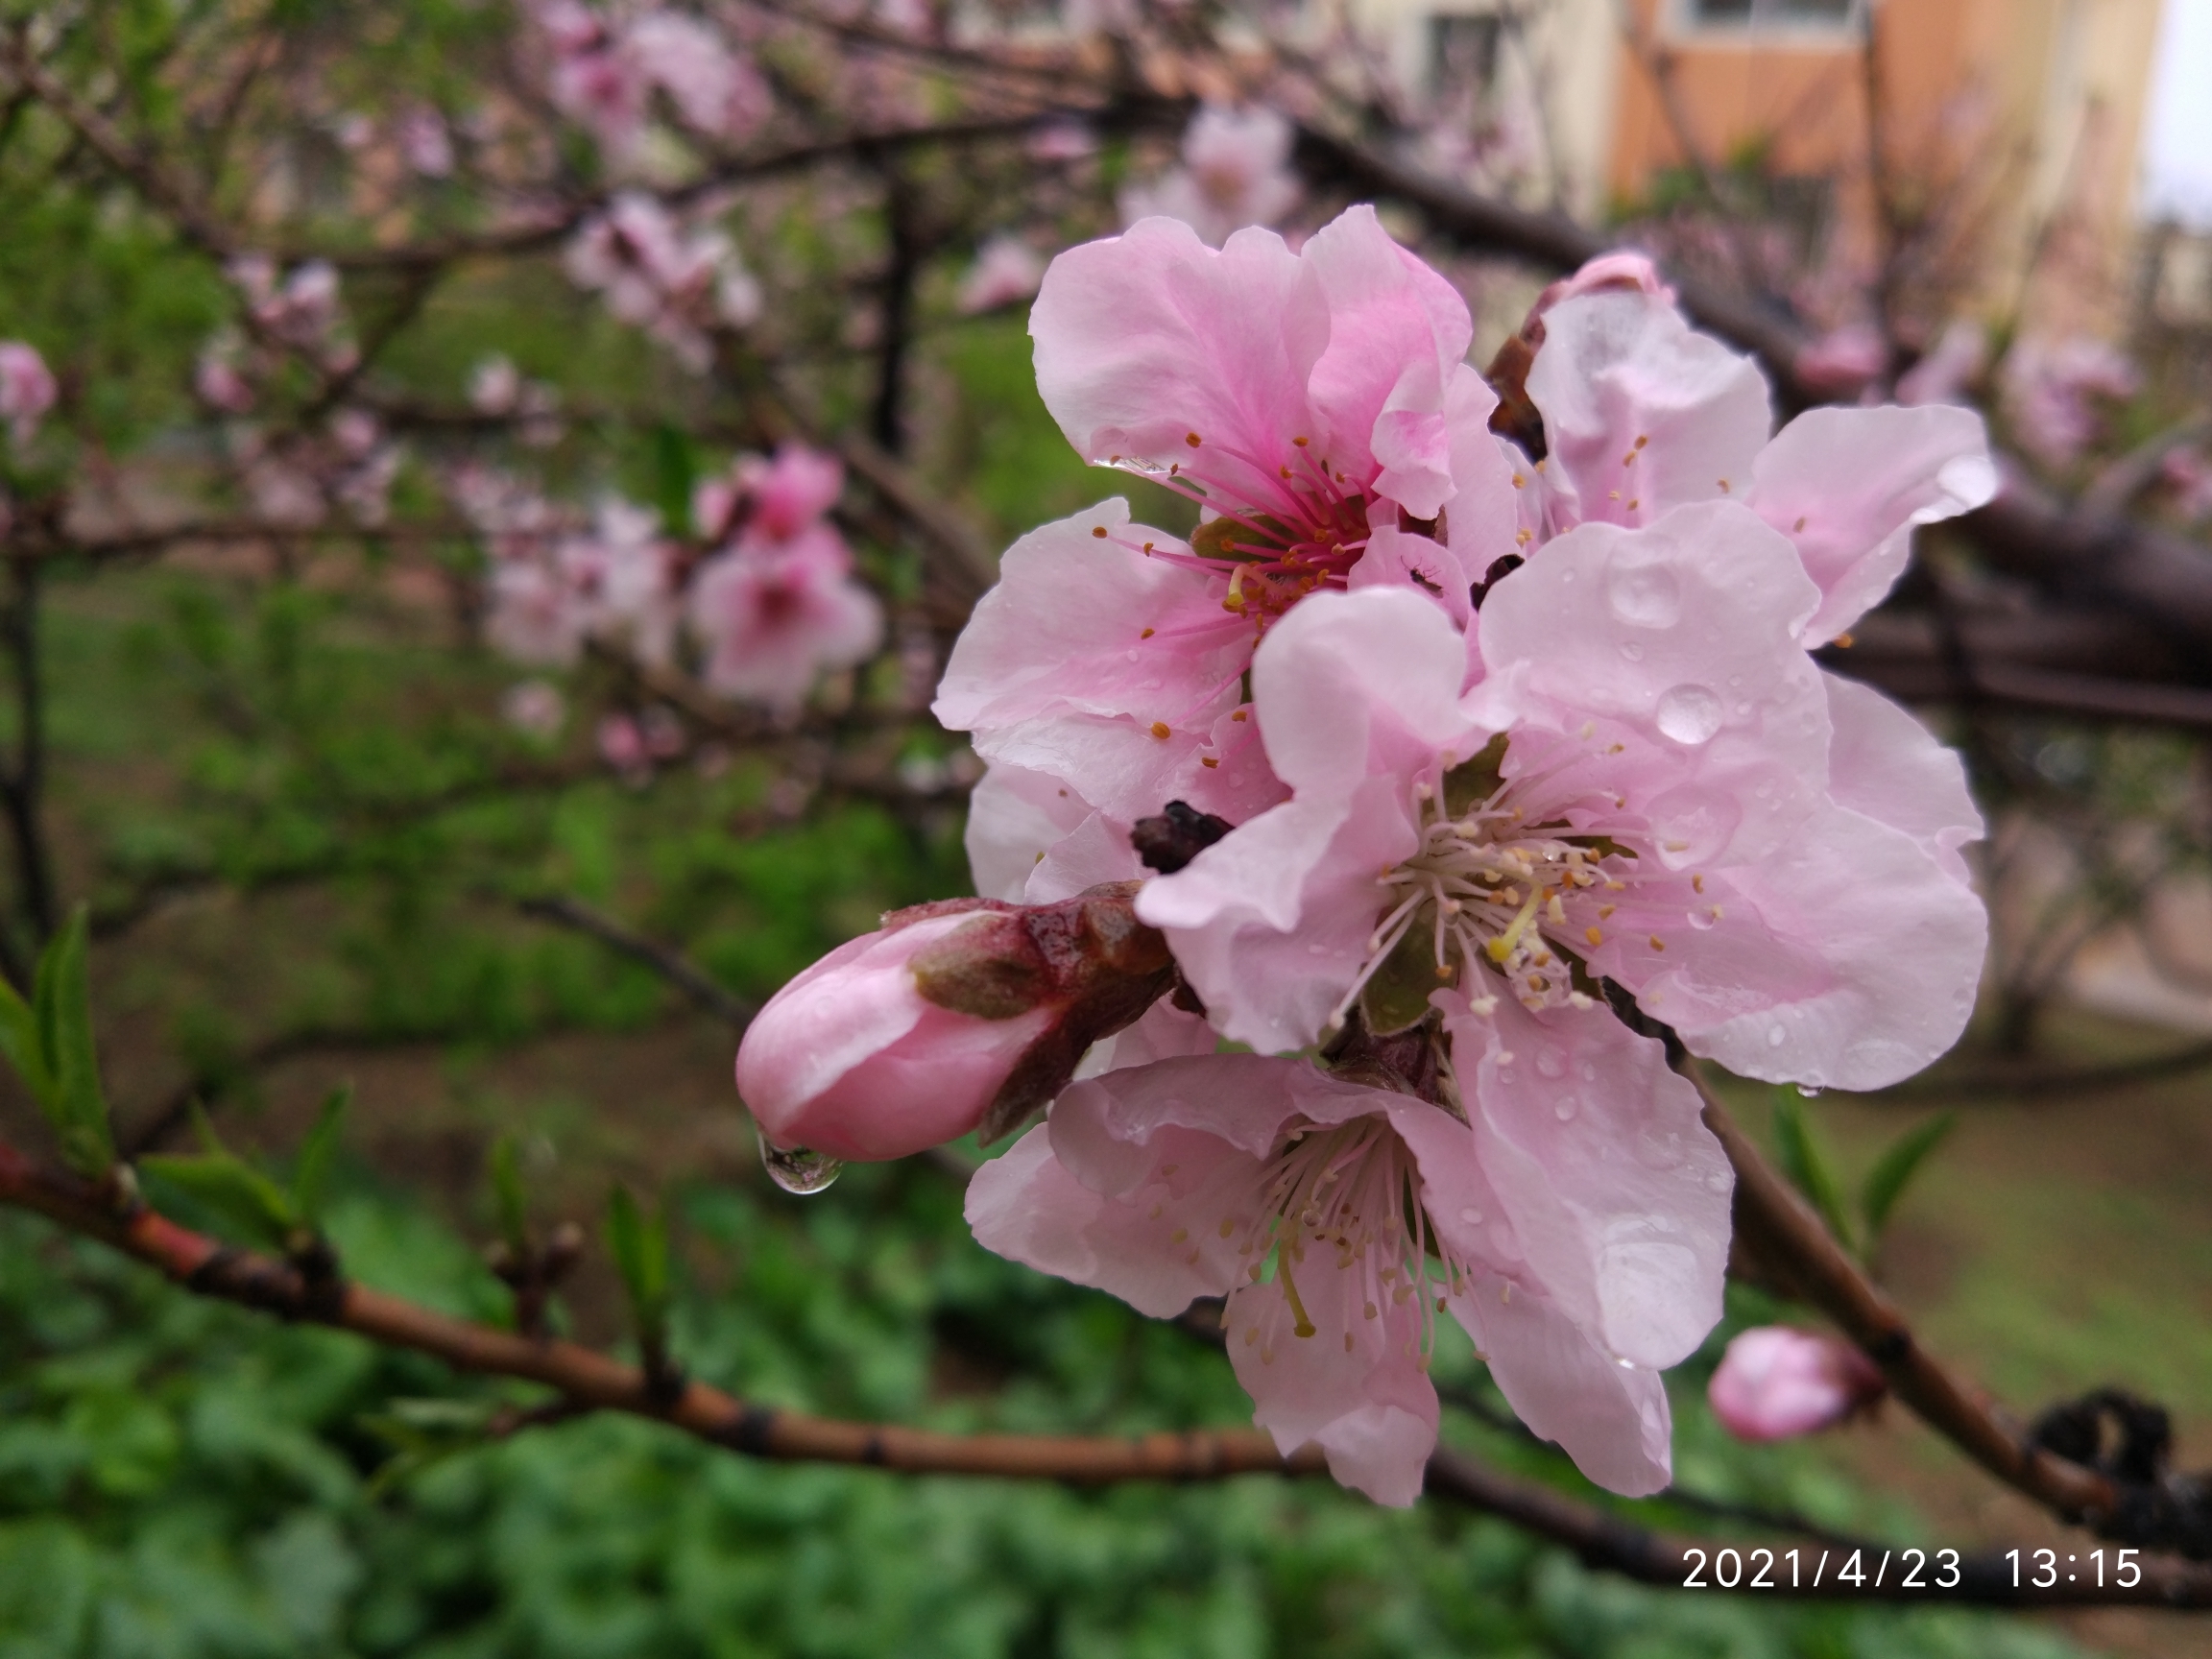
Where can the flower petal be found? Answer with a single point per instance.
(1848, 485)
(1641, 414)
(1886, 764)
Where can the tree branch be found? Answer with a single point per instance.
(670, 965)
(584, 1380)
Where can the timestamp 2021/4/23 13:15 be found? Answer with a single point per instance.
(1731, 1568)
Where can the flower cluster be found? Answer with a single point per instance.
(1235, 171)
(607, 65)
(677, 285)
(27, 388)
(767, 592)
(1472, 732)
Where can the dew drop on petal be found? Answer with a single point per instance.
(798, 1168)
(1810, 1091)
(1589, 1072)
(1777, 1037)
(1632, 651)
(1471, 1216)
(1551, 1063)
(1701, 918)
(1690, 713)
(1657, 1151)
(1569, 1105)
(1645, 597)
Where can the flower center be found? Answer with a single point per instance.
(1495, 890)
(1346, 1198)
(1278, 532)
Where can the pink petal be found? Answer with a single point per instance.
(1617, 1193)
(1848, 485)
(1014, 818)
(1621, 367)
(1148, 337)
(1884, 764)
(1612, 1419)
(1065, 631)
(1687, 633)
(1846, 960)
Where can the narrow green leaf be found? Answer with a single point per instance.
(243, 1198)
(311, 1172)
(78, 1107)
(676, 474)
(20, 1045)
(507, 1193)
(638, 1243)
(1893, 1171)
(1807, 1166)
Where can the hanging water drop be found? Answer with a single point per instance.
(1810, 1091)
(798, 1168)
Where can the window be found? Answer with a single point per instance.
(1779, 14)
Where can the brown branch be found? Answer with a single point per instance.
(1780, 1228)
(585, 1381)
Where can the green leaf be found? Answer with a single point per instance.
(1894, 1169)
(61, 1006)
(21, 1047)
(675, 475)
(638, 1243)
(241, 1197)
(1807, 1166)
(507, 1193)
(311, 1173)
(1396, 997)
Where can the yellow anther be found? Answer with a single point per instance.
(1594, 935)
(1159, 729)
(1192, 439)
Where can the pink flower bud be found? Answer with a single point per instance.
(950, 1019)
(1776, 1383)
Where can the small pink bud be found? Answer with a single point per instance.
(955, 1018)
(1776, 1383)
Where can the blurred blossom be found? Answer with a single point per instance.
(1776, 1383)
(2052, 390)
(1061, 140)
(774, 617)
(355, 431)
(2188, 473)
(1006, 270)
(353, 131)
(622, 746)
(1944, 375)
(534, 617)
(1844, 361)
(283, 493)
(604, 74)
(1235, 172)
(656, 277)
(622, 572)
(27, 388)
(769, 499)
(216, 379)
(493, 385)
(426, 142)
(534, 707)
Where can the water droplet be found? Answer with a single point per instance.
(1551, 1063)
(1689, 714)
(1810, 1091)
(1569, 1105)
(1645, 597)
(1471, 1216)
(1717, 1181)
(1657, 1151)
(1589, 1073)
(798, 1168)
(1632, 651)
(1132, 653)
(1777, 1037)
(1701, 918)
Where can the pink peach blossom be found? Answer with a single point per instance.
(655, 275)
(1340, 1220)
(769, 500)
(1006, 268)
(1317, 404)
(1235, 171)
(773, 617)
(1641, 415)
(1646, 784)
(27, 388)
(1776, 1383)
(2056, 394)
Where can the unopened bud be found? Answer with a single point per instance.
(966, 1015)
(1776, 1383)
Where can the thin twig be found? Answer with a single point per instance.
(670, 965)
